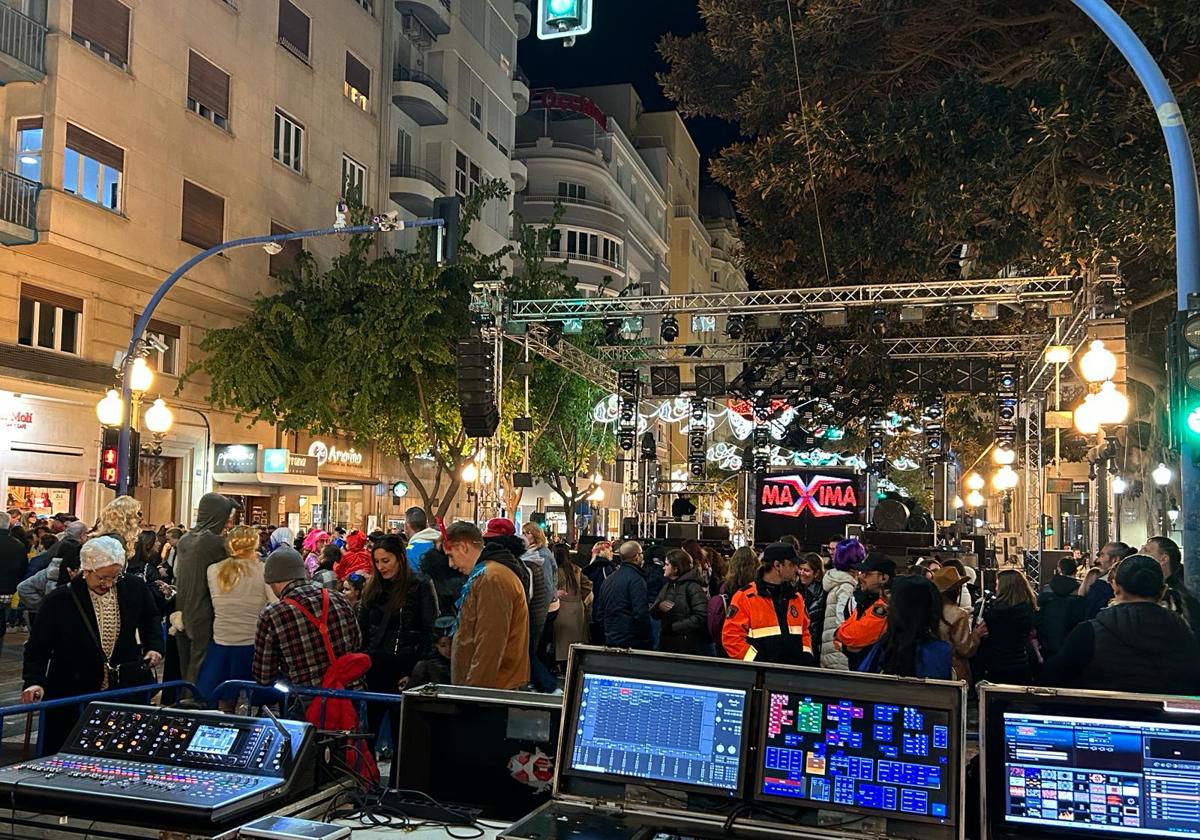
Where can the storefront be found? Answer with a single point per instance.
(47, 456)
(348, 482)
(270, 486)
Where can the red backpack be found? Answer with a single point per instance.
(337, 714)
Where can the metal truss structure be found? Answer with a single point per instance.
(1005, 290)
(934, 347)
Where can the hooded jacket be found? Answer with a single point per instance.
(839, 602)
(491, 644)
(598, 570)
(34, 589)
(1137, 647)
(355, 558)
(419, 544)
(198, 549)
(447, 581)
(1060, 610)
(529, 573)
(684, 626)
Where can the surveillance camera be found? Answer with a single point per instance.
(155, 343)
(340, 216)
(389, 221)
(272, 248)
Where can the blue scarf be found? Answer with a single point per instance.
(466, 590)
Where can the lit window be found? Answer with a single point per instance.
(289, 142)
(49, 320)
(92, 168)
(29, 148)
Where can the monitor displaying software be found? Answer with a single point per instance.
(848, 753)
(679, 734)
(1094, 777)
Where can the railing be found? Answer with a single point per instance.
(294, 699)
(404, 74)
(23, 38)
(18, 200)
(588, 258)
(519, 76)
(582, 202)
(404, 170)
(140, 693)
(685, 211)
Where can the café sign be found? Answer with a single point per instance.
(284, 462)
(329, 454)
(237, 458)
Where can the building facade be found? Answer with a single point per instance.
(138, 133)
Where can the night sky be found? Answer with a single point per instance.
(622, 47)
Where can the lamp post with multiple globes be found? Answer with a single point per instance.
(158, 417)
(1103, 406)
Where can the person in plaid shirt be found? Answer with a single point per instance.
(287, 645)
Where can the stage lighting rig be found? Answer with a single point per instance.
(669, 330)
(735, 327)
(612, 331)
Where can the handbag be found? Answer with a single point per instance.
(124, 674)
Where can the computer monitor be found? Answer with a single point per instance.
(1091, 765)
(671, 731)
(858, 744)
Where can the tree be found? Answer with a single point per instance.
(1012, 125)
(365, 348)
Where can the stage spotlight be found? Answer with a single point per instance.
(669, 330)
(735, 327)
(554, 333)
(612, 332)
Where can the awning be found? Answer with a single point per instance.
(245, 483)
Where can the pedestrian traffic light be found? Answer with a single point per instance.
(109, 446)
(1187, 374)
(445, 238)
(563, 19)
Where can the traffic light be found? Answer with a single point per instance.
(563, 19)
(108, 458)
(1186, 375)
(445, 238)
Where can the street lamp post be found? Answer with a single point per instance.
(1104, 406)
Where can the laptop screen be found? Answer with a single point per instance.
(681, 734)
(1092, 777)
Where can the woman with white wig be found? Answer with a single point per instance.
(99, 632)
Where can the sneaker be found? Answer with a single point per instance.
(558, 692)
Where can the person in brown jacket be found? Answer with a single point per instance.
(491, 634)
(955, 626)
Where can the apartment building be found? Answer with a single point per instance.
(137, 133)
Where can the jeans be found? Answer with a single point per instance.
(539, 674)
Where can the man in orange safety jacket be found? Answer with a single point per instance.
(766, 620)
(868, 619)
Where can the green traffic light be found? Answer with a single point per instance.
(1193, 420)
(563, 7)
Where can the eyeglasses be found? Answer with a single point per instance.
(105, 578)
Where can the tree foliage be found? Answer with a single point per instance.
(1009, 124)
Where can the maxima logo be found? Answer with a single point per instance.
(822, 496)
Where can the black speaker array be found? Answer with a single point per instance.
(477, 387)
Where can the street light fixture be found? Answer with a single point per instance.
(1098, 364)
(975, 499)
(111, 410)
(1003, 456)
(1162, 475)
(1005, 479)
(470, 473)
(158, 417)
(975, 482)
(1087, 416)
(141, 376)
(1118, 486)
(1112, 407)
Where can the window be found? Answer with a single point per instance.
(476, 112)
(49, 320)
(571, 191)
(289, 142)
(368, 6)
(203, 217)
(168, 360)
(404, 147)
(208, 90)
(92, 168)
(103, 27)
(461, 187)
(285, 260)
(294, 28)
(29, 148)
(358, 82)
(354, 179)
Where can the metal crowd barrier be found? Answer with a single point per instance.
(294, 699)
(41, 707)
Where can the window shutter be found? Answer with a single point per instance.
(163, 328)
(293, 26)
(92, 146)
(285, 259)
(104, 23)
(358, 76)
(208, 84)
(203, 217)
(28, 123)
(51, 297)
(465, 75)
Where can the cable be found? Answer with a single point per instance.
(812, 169)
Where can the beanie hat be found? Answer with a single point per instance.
(357, 541)
(283, 565)
(1141, 576)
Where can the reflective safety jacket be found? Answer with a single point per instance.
(760, 628)
(864, 626)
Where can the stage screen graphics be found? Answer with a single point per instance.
(814, 505)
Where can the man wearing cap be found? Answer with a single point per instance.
(766, 620)
(868, 619)
(491, 636)
(1136, 645)
(288, 644)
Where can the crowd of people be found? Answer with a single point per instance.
(118, 606)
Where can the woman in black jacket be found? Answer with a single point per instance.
(682, 607)
(814, 594)
(86, 638)
(1008, 655)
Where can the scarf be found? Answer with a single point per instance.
(466, 590)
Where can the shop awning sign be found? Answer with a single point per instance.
(285, 462)
(237, 458)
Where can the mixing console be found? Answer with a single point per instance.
(146, 760)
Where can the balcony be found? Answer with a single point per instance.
(420, 96)
(434, 15)
(524, 16)
(520, 174)
(414, 188)
(520, 92)
(22, 47)
(18, 209)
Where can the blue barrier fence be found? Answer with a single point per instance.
(40, 708)
(294, 699)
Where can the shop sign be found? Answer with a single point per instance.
(19, 419)
(332, 455)
(283, 462)
(237, 458)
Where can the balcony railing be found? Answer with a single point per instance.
(18, 200)
(519, 75)
(587, 258)
(23, 38)
(404, 74)
(404, 170)
(566, 199)
(685, 211)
